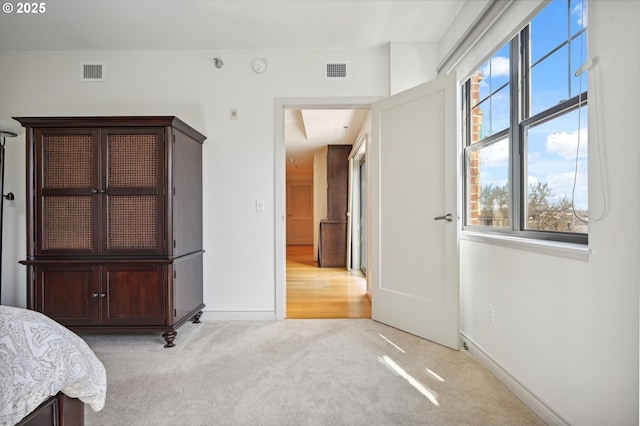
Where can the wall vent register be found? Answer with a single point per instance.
(92, 72)
(335, 70)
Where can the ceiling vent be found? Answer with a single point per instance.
(335, 70)
(93, 72)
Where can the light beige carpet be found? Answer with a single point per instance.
(297, 372)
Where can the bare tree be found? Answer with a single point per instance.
(547, 212)
(494, 205)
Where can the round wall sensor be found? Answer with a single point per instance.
(259, 65)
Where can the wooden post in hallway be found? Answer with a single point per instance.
(314, 292)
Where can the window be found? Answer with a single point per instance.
(525, 131)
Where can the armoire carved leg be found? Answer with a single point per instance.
(196, 318)
(169, 336)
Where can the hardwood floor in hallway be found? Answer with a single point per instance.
(314, 292)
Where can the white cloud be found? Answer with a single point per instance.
(499, 67)
(562, 185)
(581, 17)
(495, 155)
(565, 144)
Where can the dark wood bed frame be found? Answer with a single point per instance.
(59, 410)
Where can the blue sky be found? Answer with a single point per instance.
(552, 146)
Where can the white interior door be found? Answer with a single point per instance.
(300, 213)
(414, 266)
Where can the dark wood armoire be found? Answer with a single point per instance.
(332, 241)
(114, 222)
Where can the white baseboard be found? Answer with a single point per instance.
(541, 409)
(238, 316)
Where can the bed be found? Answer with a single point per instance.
(47, 373)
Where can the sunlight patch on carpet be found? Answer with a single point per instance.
(435, 376)
(392, 344)
(411, 380)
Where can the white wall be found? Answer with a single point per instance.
(13, 237)
(566, 329)
(411, 64)
(238, 155)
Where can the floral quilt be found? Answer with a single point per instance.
(39, 358)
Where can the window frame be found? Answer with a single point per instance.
(520, 120)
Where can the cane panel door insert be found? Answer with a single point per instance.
(91, 180)
(134, 192)
(66, 183)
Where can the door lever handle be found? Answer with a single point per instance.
(448, 217)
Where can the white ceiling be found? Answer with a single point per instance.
(236, 24)
(224, 24)
(306, 131)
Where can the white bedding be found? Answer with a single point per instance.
(39, 358)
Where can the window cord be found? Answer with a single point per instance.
(597, 139)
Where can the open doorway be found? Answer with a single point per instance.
(314, 292)
(311, 291)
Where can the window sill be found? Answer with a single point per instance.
(551, 248)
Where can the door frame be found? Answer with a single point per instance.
(280, 199)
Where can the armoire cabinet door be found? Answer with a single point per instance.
(133, 173)
(100, 191)
(70, 294)
(67, 182)
(135, 294)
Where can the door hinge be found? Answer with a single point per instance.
(175, 274)
(175, 312)
(174, 191)
(174, 243)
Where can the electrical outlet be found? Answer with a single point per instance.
(491, 317)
